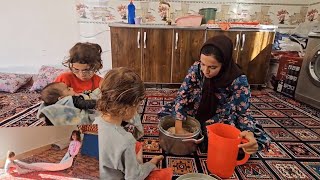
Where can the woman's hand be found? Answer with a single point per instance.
(179, 129)
(172, 130)
(250, 147)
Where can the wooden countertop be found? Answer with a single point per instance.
(164, 26)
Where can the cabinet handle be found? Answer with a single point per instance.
(237, 41)
(243, 41)
(138, 39)
(144, 39)
(177, 39)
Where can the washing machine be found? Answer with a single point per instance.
(308, 87)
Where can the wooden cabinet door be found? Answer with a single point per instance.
(157, 55)
(186, 49)
(126, 48)
(233, 35)
(254, 55)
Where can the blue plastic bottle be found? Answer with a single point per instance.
(131, 13)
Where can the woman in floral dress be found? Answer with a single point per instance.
(215, 90)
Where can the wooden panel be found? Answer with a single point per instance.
(187, 45)
(125, 48)
(255, 55)
(232, 35)
(157, 55)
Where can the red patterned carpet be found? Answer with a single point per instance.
(19, 109)
(293, 127)
(84, 167)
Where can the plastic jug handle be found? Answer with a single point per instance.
(246, 156)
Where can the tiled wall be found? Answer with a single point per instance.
(286, 13)
(94, 15)
(314, 10)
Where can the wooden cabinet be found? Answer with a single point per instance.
(164, 55)
(126, 48)
(186, 49)
(147, 51)
(254, 55)
(252, 51)
(157, 55)
(233, 35)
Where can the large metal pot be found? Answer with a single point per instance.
(179, 144)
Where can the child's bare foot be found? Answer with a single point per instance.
(156, 159)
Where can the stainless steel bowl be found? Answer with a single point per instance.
(197, 176)
(179, 144)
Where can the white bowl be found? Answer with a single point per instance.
(196, 176)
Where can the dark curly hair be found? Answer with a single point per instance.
(10, 154)
(50, 94)
(77, 133)
(121, 88)
(85, 53)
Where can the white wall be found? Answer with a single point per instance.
(100, 34)
(24, 139)
(36, 32)
(40, 32)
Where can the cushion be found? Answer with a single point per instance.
(11, 82)
(90, 145)
(89, 128)
(46, 75)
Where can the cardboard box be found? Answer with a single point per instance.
(288, 74)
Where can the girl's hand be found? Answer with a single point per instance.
(156, 159)
(250, 147)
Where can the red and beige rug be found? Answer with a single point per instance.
(293, 127)
(84, 167)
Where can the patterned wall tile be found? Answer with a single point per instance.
(313, 13)
(286, 14)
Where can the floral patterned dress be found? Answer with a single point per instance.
(232, 108)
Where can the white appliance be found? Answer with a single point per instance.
(308, 87)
